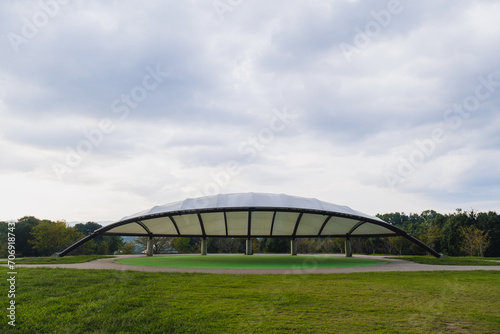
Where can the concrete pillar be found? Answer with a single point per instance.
(293, 247)
(249, 248)
(348, 250)
(203, 246)
(149, 247)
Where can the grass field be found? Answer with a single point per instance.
(57, 260)
(107, 301)
(286, 261)
(455, 260)
(250, 262)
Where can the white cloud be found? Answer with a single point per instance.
(355, 120)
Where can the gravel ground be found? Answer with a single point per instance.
(391, 265)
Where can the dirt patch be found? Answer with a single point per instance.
(452, 327)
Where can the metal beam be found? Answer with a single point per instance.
(254, 235)
(143, 222)
(272, 223)
(249, 232)
(422, 245)
(144, 227)
(355, 227)
(201, 225)
(324, 224)
(297, 224)
(79, 243)
(225, 223)
(175, 224)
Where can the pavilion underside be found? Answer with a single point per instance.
(251, 216)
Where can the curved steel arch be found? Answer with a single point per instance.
(251, 215)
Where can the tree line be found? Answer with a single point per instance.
(35, 237)
(460, 233)
(470, 233)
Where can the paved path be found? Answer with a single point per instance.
(391, 265)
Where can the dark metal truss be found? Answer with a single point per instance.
(328, 214)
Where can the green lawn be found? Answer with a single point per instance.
(455, 260)
(250, 262)
(107, 301)
(57, 260)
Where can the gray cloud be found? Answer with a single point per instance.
(358, 115)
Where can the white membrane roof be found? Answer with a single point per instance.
(250, 215)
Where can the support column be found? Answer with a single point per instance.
(149, 247)
(203, 246)
(249, 248)
(348, 250)
(293, 247)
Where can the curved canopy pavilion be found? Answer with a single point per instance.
(251, 215)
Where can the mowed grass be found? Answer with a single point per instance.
(57, 260)
(107, 301)
(451, 261)
(249, 262)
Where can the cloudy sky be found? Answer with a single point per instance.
(110, 107)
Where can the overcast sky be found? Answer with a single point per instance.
(111, 107)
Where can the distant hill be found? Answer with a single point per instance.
(102, 223)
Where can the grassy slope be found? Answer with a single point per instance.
(106, 301)
(57, 260)
(457, 261)
(250, 262)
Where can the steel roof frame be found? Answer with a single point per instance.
(198, 212)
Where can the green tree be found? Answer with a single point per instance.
(306, 245)
(225, 245)
(328, 245)
(399, 244)
(432, 235)
(451, 235)
(160, 244)
(474, 241)
(127, 248)
(102, 249)
(24, 227)
(51, 237)
(87, 228)
(372, 245)
(3, 239)
(490, 221)
(181, 244)
(103, 244)
(277, 245)
(388, 245)
(113, 243)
